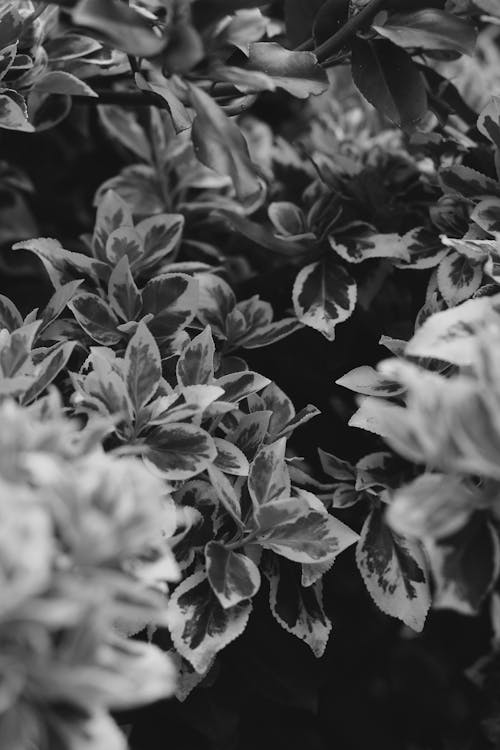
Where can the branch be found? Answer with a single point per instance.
(331, 46)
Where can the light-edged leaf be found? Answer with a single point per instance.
(172, 299)
(96, 318)
(226, 492)
(199, 626)
(268, 478)
(142, 367)
(239, 385)
(62, 82)
(60, 264)
(230, 459)
(251, 432)
(467, 182)
(48, 369)
(180, 451)
(10, 317)
(56, 304)
(424, 248)
(13, 112)
(324, 294)
(16, 348)
(233, 576)
(161, 235)
(124, 242)
(465, 566)
(196, 363)
(366, 244)
(458, 278)
(487, 215)
(299, 610)
(123, 294)
(369, 382)
(394, 570)
(451, 335)
(112, 213)
(216, 300)
(488, 122)
(291, 529)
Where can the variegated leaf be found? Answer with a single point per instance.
(123, 294)
(487, 215)
(367, 244)
(142, 367)
(234, 577)
(172, 299)
(467, 182)
(458, 278)
(48, 370)
(369, 382)
(199, 626)
(161, 234)
(299, 610)
(465, 566)
(180, 451)
(324, 294)
(268, 478)
(394, 570)
(112, 213)
(196, 363)
(230, 459)
(96, 318)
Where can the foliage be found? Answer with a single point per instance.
(161, 497)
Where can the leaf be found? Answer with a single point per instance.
(13, 112)
(487, 215)
(10, 317)
(199, 626)
(124, 242)
(335, 467)
(269, 334)
(324, 294)
(180, 451)
(122, 126)
(172, 299)
(219, 144)
(16, 350)
(287, 218)
(366, 244)
(239, 385)
(226, 492)
(424, 249)
(268, 478)
(458, 278)
(369, 382)
(298, 73)
(62, 82)
(60, 264)
(123, 294)
(488, 122)
(389, 79)
(281, 407)
(230, 459)
(299, 610)
(250, 432)
(7, 57)
(161, 235)
(451, 335)
(467, 182)
(234, 577)
(196, 363)
(291, 529)
(112, 213)
(367, 417)
(142, 367)
(119, 26)
(216, 300)
(47, 371)
(394, 571)
(430, 29)
(465, 566)
(96, 318)
(181, 116)
(56, 304)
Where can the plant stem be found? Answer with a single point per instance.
(336, 42)
(123, 98)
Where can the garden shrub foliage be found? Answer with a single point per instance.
(146, 469)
